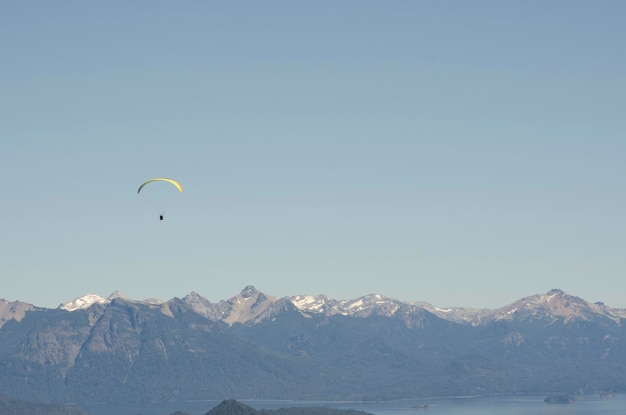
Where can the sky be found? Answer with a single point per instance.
(460, 153)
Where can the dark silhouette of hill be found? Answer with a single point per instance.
(233, 407)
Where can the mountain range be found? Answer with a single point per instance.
(252, 306)
(253, 345)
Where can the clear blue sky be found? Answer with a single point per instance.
(459, 153)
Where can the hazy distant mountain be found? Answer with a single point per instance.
(253, 345)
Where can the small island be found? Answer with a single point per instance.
(560, 398)
(233, 407)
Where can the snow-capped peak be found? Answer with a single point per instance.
(88, 300)
(83, 302)
(316, 303)
(362, 305)
(321, 304)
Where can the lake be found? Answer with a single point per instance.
(501, 405)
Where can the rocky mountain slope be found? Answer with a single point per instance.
(13, 310)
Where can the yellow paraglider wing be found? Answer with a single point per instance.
(161, 179)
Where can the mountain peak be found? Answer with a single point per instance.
(249, 291)
(248, 305)
(555, 304)
(193, 294)
(117, 294)
(202, 306)
(194, 297)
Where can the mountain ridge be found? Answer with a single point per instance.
(252, 305)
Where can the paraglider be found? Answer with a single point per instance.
(162, 179)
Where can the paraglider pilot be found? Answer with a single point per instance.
(160, 217)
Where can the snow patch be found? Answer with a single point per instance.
(356, 304)
(84, 302)
(308, 302)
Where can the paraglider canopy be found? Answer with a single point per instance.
(161, 179)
